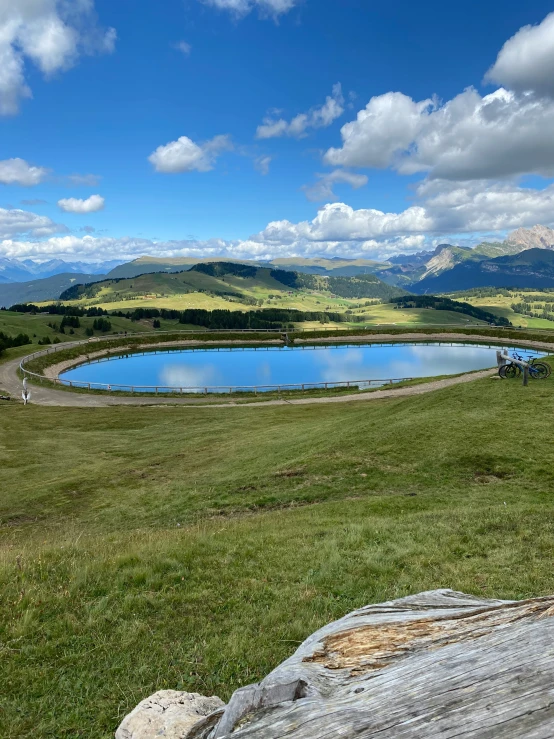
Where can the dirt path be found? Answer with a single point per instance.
(10, 383)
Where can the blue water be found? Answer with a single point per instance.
(245, 367)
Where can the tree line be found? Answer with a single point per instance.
(6, 342)
(57, 309)
(271, 318)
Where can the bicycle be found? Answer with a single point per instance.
(537, 370)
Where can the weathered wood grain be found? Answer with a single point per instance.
(438, 664)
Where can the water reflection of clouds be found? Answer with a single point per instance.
(178, 375)
(263, 372)
(440, 360)
(366, 362)
(341, 366)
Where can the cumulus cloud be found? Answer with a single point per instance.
(243, 7)
(184, 155)
(387, 126)
(469, 137)
(19, 172)
(21, 223)
(51, 34)
(340, 222)
(320, 117)
(443, 210)
(323, 188)
(75, 205)
(503, 134)
(526, 61)
(262, 164)
(478, 206)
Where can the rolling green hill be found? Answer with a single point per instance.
(242, 284)
(146, 265)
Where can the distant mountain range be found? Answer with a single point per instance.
(24, 270)
(530, 268)
(522, 260)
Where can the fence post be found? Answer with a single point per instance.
(526, 375)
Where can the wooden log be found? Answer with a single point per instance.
(438, 664)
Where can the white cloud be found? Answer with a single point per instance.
(504, 134)
(19, 172)
(75, 205)
(323, 188)
(243, 7)
(526, 61)
(479, 206)
(262, 164)
(320, 117)
(183, 47)
(443, 210)
(387, 126)
(340, 222)
(52, 34)
(22, 223)
(469, 137)
(98, 248)
(184, 155)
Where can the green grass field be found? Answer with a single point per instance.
(167, 547)
(386, 313)
(501, 305)
(36, 326)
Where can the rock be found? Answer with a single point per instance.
(170, 714)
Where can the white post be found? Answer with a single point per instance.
(26, 394)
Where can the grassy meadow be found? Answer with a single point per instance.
(194, 548)
(502, 302)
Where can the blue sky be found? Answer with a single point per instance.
(117, 86)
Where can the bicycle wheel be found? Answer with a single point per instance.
(539, 370)
(509, 371)
(545, 365)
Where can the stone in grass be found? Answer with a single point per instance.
(170, 714)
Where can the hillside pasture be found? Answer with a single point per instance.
(193, 549)
(501, 304)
